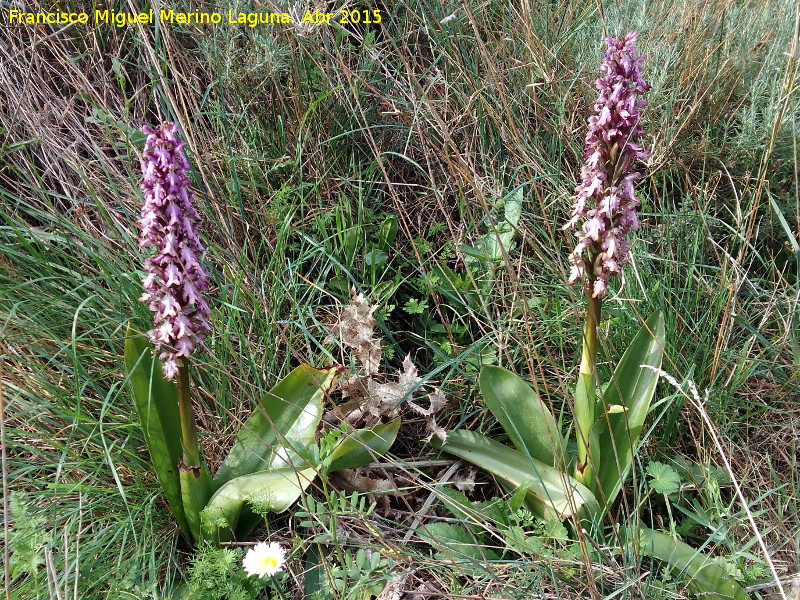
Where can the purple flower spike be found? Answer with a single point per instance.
(174, 281)
(604, 202)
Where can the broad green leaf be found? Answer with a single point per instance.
(501, 233)
(387, 232)
(315, 579)
(551, 493)
(287, 416)
(706, 578)
(360, 447)
(472, 516)
(456, 542)
(523, 542)
(458, 504)
(631, 386)
(513, 205)
(475, 516)
(195, 492)
(156, 402)
(373, 258)
(475, 253)
(274, 491)
(523, 415)
(517, 499)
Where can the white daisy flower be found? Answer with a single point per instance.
(264, 559)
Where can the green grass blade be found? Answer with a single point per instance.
(631, 386)
(360, 447)
(550, 492)
(157, 405)
(526, 419)
(290, 412)
(707, 579)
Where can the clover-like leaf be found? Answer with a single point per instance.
(664, 479)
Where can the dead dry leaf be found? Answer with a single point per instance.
(371, 400)
(393, 589)
(436, 401)
(466, 482)
(355, 330)
(375, 402)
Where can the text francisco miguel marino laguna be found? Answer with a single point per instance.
(121, 19)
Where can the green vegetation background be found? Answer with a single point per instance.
(308, 145)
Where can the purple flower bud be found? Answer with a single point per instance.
(605, 205)
(175, 281)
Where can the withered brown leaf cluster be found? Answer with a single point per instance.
(371, 398)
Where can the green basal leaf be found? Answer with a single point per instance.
(500, 237)
(360, 447)
(315, 580)
(473, 252)
(474, 516)
(388, 232)
(373, 258)
(706, 578)
(517, 499)
(156, 402)
(456, 542)
(525, 418)
(195, 492)
(287, 416)
(631, 386)
(459, 505)
(273, 491)
(550, 493)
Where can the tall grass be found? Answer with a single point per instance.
(433, 123)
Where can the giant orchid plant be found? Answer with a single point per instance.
(607, 425)
(264, 471)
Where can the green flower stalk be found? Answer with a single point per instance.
(605, 207)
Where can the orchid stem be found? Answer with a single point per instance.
(585, 401)
(191, 449)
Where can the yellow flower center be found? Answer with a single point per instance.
(268, 563)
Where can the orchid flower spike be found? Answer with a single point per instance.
(175, 281)
(605, 205)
